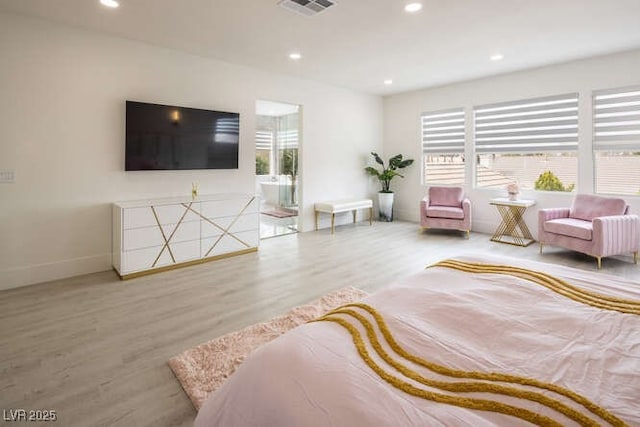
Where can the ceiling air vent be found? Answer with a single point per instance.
(307, 7)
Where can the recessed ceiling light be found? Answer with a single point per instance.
(388, 82)
(496, 57)
(295, 56)
(413, 7)
(110, 3)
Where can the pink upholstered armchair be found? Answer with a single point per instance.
(446, 207)
(594, 225)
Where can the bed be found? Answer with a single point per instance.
(470, 340)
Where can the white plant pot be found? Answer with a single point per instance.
(385, 206)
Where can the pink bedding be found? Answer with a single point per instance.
(556, 359)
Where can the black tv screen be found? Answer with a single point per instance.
(164, 137)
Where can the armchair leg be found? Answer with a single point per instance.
(541, 246)
(468, 234)
(635, 257)
(599, 262)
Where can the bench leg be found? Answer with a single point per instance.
(316, 220)
(333, 222)
(371, 216)
(355, 211)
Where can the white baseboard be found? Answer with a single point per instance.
(409, 215)
(487, 227)
(31, 274)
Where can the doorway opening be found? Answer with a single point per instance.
(277, 178)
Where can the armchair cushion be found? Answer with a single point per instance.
(445, 212)
(587, 207)
(446, 196)
(570, 227)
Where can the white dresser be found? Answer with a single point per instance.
(160, 234)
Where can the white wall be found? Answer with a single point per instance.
(62, 93)
(402, 127)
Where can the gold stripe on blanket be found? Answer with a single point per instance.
(464, 402)
(550, 282)
(469, 386)
(485, 376)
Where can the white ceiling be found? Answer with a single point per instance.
(359, 43)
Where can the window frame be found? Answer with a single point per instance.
(540, 126)
(449, 139)
(629, 140)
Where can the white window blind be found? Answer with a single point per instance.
(264, 140)
(288, 138)
(526, 126)
(443, 132)
(616, 119)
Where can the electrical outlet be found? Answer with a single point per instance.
(7, 176)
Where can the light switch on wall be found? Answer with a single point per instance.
(7, 176)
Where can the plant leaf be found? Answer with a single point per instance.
(394, 161)
(378, 159)
(405, 163)
(372, 171)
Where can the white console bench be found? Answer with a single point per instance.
(337, 206)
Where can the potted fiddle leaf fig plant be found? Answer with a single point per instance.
(385, 196)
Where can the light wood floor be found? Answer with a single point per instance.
(95, 349)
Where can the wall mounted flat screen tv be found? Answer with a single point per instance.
(164, 137)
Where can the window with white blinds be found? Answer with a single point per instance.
(264, 154)
(443, 146)
(264, 140)
(528, 126)
(443, 131)
(288, 139)
(530, 142)
(616, 140)
(616, 119)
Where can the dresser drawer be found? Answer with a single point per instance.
(138, 238)
(242, 223)
(224, 208)
(166, 214)
(225, 244)
(143, 259)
